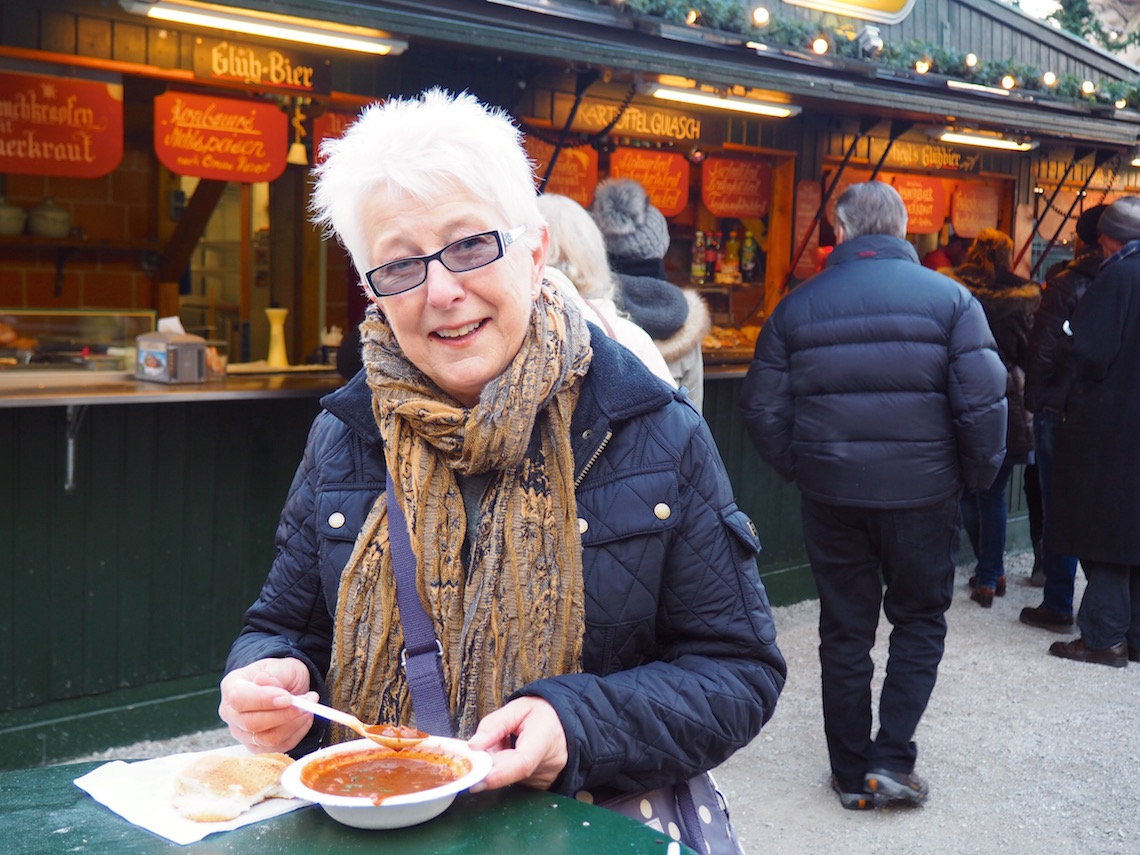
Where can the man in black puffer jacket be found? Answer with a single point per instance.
(1048, 376)
(877, 388)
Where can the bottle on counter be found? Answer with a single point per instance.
(730, 260)
(697, 265)
(748, 257)
(712, 250)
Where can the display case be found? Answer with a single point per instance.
(50, 342)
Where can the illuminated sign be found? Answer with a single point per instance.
(663, 174)
(260, 66)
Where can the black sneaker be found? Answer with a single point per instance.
(896, 786)
(852, 801)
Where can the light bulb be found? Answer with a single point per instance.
(922, 66)
(971, 60)
(1049, 78)
(1088, 87)
(691, 18)
(760, 16)
(820, 45)
(1008, 82)
(1120, 104)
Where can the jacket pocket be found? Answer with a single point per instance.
(340, 516)
(743, 530)
(642, 503)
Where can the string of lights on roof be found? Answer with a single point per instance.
(967, 70)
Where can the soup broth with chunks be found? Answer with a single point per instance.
(380, 773)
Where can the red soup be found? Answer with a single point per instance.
(379, 773)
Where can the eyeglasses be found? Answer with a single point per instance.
(468, 253)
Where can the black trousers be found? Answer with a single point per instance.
(915, 549)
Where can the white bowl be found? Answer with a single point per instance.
(395, 811)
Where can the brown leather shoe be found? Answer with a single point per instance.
(1116, 656)
(999, 586)
(1044, 618)
(984, 597)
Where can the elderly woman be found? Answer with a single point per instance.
(591, 581)
(576, 260)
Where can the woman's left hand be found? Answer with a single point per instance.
(527, 744)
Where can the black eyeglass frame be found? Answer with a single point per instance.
(503, 239)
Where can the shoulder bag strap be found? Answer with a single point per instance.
(422, 656)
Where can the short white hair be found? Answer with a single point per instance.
(426, 147)
(577, 247)
(871, 208)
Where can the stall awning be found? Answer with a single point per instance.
(583, 34)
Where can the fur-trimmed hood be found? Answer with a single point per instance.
(688, 337)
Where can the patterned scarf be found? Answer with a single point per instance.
(515, 613)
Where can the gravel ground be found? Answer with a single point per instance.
(1025, 753)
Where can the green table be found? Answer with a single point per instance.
(42, 811)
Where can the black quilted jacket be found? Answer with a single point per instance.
(680, 664)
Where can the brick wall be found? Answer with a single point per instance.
(115, 217)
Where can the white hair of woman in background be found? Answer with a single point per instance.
(576, 262)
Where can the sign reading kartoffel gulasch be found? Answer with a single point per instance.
(663, 174)
(736, 188)
(223, 139)
(59, 125)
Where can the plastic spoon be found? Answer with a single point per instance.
(375, 732)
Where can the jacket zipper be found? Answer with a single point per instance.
(597, 453)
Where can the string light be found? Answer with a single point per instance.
(760, 16)
(1049, 78)
(1088, 87)
(1008, 82)
(922, 65)
(971, 60)
(820, 45)
(1120, 104)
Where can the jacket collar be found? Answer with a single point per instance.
(617, 387)
(1129, 249)
(868, 247)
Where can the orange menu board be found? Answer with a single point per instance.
(663, 174)
(925, 200)
(575, 172)
(973, 207)
(330, 126)
(736, 188)
(223, 139)
(808, 196)
(59, 125)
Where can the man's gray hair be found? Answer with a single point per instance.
(872, 208)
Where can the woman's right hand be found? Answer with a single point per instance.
(257, 704)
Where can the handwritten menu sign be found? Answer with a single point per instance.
(575, 172)
(59, 125)
(330, 125)
(736, 188)
(223, 139)
(973, 207)
(663, 174)
(808, 196)
(925, 200)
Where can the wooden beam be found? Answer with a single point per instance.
(176, 254)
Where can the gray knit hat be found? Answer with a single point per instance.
(632, 227)
(1122, 220)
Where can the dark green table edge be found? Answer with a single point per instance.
(42, 811)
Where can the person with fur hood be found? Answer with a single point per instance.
(1009, 302)
(637, 238)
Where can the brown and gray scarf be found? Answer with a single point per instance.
(515, 612)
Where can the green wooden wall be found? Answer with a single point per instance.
(119, 601)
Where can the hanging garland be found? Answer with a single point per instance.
(733, 17)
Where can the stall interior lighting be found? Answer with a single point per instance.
(976, 87)
(986, 140)
(268, 25)
(718, 102)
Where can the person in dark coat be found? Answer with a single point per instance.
(877, 388)
(1096, 491)
(1009, 302)
(1048, 375)
(637, 238)
(590, 580)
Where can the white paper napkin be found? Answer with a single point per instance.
(141, 793)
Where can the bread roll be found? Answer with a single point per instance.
(216, 788)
